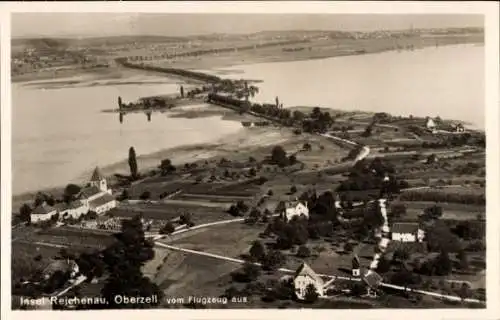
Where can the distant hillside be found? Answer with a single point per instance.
(63, 43)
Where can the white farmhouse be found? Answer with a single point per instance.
(305, 276)
(293, 209)
(73, 209)
(430, 124)
(459, 127)
(407, 232)
(43, 213)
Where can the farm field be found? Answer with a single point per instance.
(170, 211)
(451, 211)
(76, 239)
(182, 275)
(228, 240)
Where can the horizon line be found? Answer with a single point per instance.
(72, 37)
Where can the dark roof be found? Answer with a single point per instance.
(101, 200)
(97, 175)
(355, 262)
(59, 265)
(405, 227)
(72, 205)
(90, 191)
(43, 209)
(372, 279)
(304, 269)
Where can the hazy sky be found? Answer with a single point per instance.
(108, 24)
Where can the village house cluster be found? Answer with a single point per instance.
(406, 232)
(97, 197)
(432, 126)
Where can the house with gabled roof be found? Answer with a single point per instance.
(102, 204)
(74, 209)
(372, 280)
(43, 212)
(290, 209)
(407, 232)
(458, 127)
(304, 276)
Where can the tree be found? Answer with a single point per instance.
(185, 218)
(124, 260)
(25, 213)
(132, 162)
(254, 216)
(234, 211)
(434, 211)
(400, 255)
(145, 195)
(405, 278)
(56, 281)
(257, 251)
(70, 192)
(273, 259)
(91, 215)
(252, 172)
(398, 210)
(91, 265)
(384, 265)
(168, 228)
(316, 112)
(442, 264)
(298, 116)
(463, 260)
(279, 157)
(368, 131)
(303, 252)
(293, 189)
(348, 247)
(311, 295)
(242, 207)
(166, 167)
(464, 291)
(124, 195)
(182, 91)
(251, 271)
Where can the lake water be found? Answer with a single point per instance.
(445, 81)
(59, 135)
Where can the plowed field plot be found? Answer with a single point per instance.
(169, 211)
(451, 211)
(73, 238)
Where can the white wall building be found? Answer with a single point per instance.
(43, 213)
(96, 197)
(407, 232)
(71, 210)
(294, 209)
(430, 124)
(304, 276)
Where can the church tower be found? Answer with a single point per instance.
(98, 180)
